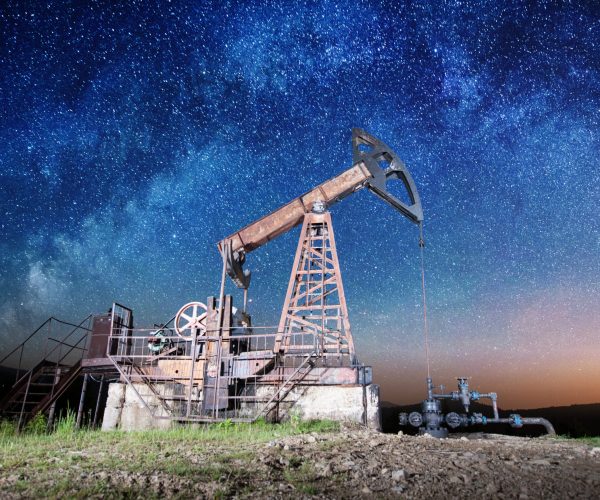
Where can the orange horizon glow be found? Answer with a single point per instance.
(538, 352)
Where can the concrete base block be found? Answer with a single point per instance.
(373, 409)
(340, 403)
(356, 404)
(125, 410)
(347, 403)
(112, 418)
(343, 403)
(114, 406)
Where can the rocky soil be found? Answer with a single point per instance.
(347, 464)
(479, 466)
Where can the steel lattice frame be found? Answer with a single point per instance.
(315, 300)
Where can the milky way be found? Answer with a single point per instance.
(135, 135)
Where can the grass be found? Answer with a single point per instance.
(591, 440)
(79, 463)
(66, 424)
(37, 425)
(302, 475)
(259, 431)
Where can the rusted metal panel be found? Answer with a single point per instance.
(176, 368)
(249, 364)
(101, 326)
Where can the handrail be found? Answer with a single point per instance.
(51, 318)
(73, 324)
(26, 340)
(265, 409)
(47, 359)
(68, 345)
(73, 347)
(164, 327)
(58, 361)
(77, 327)
(59, 344)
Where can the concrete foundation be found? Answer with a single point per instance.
(346, 403)
(126, 411)
(352, 404)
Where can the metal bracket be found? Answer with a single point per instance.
(375, 154)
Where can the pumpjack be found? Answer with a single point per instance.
(209, 362)
(374, 165)
(313, 342)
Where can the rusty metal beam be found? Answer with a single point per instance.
(291, 215)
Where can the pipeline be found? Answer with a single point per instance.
(540, 421)
(432, 421)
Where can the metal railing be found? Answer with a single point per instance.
(230, 374)
(63, 349)
(27, 355)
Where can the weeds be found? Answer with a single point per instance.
(591, 440)
(295, 419)
(66, 424)
(225, 425)
(302, 475)
(318, 426)
(7, 429)
(37, 425)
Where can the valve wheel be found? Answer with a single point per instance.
(191, 317)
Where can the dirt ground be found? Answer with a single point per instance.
(482, 466)
(347, 464)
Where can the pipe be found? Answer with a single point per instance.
(81, 401)
(540, 421)
(95, 423)
(494, 397)
(526, 421)
(430, 388)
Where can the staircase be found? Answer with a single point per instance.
(35, 391)
(297, 376)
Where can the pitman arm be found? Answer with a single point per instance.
(374, 164)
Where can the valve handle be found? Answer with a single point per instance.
(190, 317)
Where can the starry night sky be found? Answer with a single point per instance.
(135, 135)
